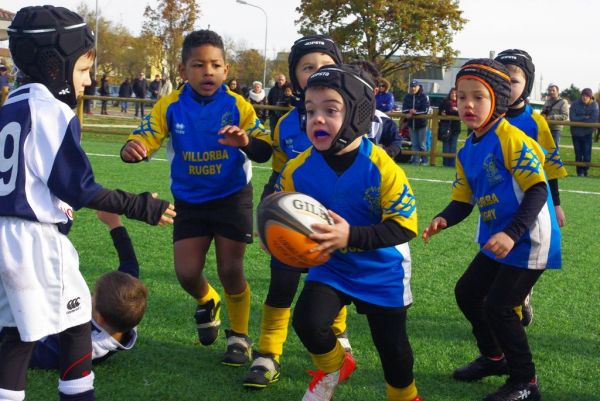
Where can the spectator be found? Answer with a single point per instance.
(104, 91)
(166, 87)
(416, 102)
(4, 87)
(288, 96)
(125, 90)
(449, 129)
(384, 99)
(555, 109)
(276, 98)
(89, 91)
(140, 88)
(584, 110)
(234, 86)
(257, 96)
(155, 87)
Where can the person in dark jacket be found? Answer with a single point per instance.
(140, 88)
(384, 99)
(415, 103)
(89, 91)
(583, 110)
(449, 129)
(125, 90)
(276, 97)
(104, 91)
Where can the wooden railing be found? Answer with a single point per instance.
(435, 118)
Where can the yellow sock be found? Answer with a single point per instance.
(238, 307)
(339, 324)
(330, 361)
(519, 311)
(273, 330)
(210, 295)
(407, 393)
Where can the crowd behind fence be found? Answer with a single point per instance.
(435, 118)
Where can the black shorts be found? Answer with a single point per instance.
(229, 217)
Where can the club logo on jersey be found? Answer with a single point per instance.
(179, 129)
(372, 196)
(526, 162)
(73, 305)
(64, 91)
(457, 181)
(227, 119)
(491, 169)
(404, 204)
(145, 127)
(554, 158)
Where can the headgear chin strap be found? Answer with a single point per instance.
(494, 76)
(357, 91)
(306, 45)
(45, 43)
(521, 59)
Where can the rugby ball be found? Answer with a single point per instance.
(284, 221)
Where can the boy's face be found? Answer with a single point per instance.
(81, 73)
(474, 103)
(309, 64)
(325, 113)
(517, 82)
(205, 69)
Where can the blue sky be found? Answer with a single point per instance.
(559, 34)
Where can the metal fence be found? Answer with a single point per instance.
(433, 124)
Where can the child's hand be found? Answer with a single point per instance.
(168, 214)
(233, 136)
(331, 237)
(112, 220)
(500, 244)
(560, 216)
(436, 225)
(134, 151)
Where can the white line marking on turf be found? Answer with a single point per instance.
(572, 191)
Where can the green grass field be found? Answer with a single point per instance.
(169, 364)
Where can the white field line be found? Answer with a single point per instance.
(572, 191)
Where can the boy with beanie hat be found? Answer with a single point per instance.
(374, 220)
(307, 55)
(46, 176)
(500, 170)
(522, 73)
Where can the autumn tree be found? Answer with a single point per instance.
(249, 65)
(395, 35)
(164, 29)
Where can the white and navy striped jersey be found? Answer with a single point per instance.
(44, 172)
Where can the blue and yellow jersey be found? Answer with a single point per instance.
(201, 168)
(536, 127)
(372, 190)
(494, 174)
(288, 139)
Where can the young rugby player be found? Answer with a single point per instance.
(374, 213)
(499, 169)
(212, 134)
(46, 175)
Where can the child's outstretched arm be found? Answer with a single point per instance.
(256, 149)
(454, 213)
(436, 225)
(134, 151)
